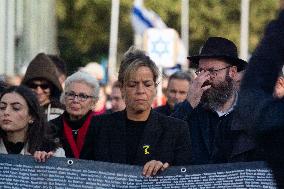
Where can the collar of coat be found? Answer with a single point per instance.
(3, 149)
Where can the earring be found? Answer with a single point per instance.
(31, 121)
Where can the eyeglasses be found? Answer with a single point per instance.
(81, 96)
(42, 86)
(210, 70)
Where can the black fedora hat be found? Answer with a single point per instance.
(218, 47)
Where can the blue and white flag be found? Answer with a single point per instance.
(143, 18)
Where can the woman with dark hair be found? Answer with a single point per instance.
(23, 126)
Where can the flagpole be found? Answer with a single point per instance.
(185, 23)
(112, 73)
(244, 37)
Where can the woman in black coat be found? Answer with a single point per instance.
(138, 135)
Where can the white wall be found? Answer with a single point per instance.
(27, 27)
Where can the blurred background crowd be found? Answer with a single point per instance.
(92, 35)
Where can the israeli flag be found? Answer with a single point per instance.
(143, 18)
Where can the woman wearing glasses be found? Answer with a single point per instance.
(42, 79)
(72, 127)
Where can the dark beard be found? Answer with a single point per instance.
(217, 95)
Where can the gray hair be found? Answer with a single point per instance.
(82, 77)
(132, 60)
(180, 75)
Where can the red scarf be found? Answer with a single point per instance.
(77, 146)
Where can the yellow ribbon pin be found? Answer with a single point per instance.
(146, 147)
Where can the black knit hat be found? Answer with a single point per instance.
(218, 47)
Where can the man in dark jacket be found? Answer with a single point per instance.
(209, 106)
(138, 135)
(258, 111)
(177, 90)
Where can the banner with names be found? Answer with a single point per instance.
(18, 171)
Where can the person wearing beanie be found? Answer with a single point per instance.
(41, 77)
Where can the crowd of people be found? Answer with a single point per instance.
(206, 119)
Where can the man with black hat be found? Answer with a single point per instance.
(209, 106)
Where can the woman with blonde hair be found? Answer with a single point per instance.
(138, 135)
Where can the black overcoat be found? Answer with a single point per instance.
(258, 112)
(166, 139)
(164, 109)
(58, 134)
(213, 139)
